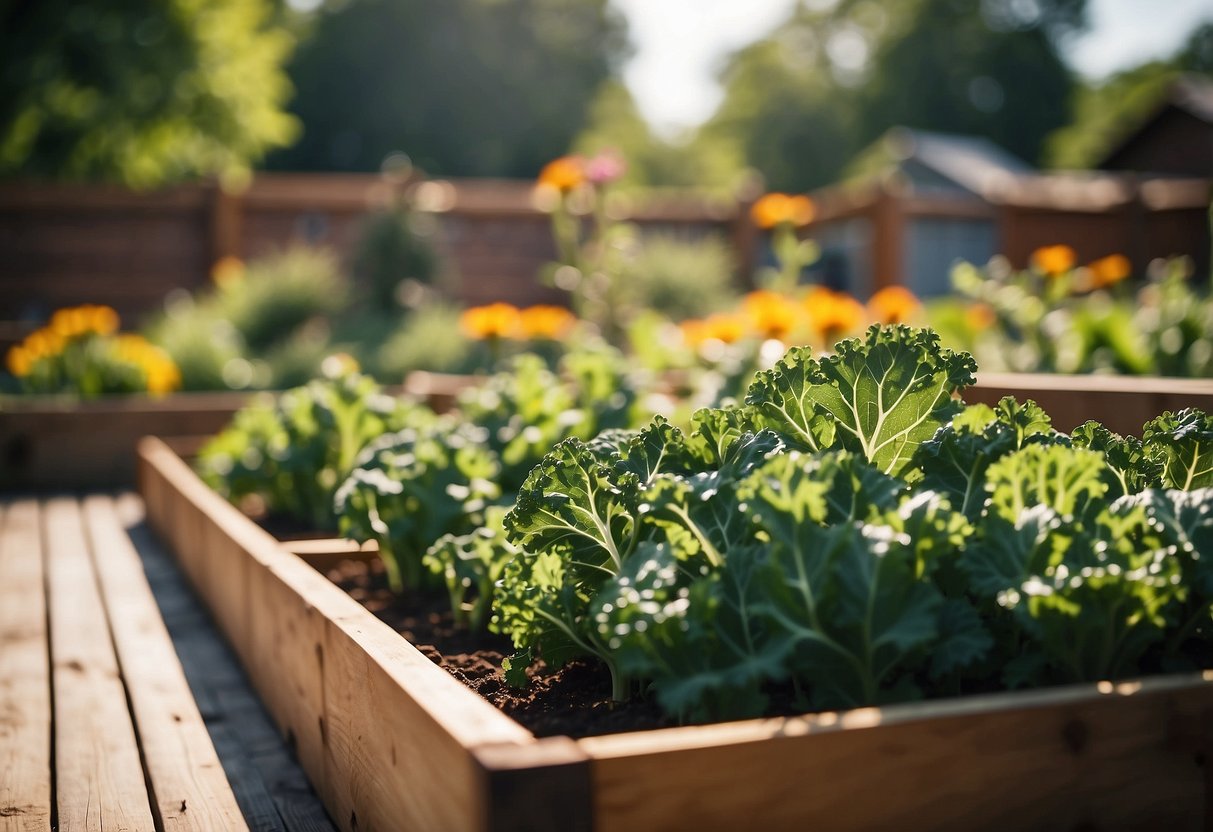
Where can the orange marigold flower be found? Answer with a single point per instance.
(1110, 270)
(103, 319)
(833, 314)
(546, 321)
(775, 209)
(979, 316)
(694, 332)
(1054, 260)
(770, 314)
(563, 174)
(44, 343)
(728, 329)
(893, 305)
(19, 361)
(496, 320)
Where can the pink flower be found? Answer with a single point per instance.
(605, 168)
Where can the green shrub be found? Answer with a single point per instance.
(682, 278)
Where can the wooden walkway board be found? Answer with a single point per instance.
(99, 726)
(188, 786)
(98, 774)
(25, 690)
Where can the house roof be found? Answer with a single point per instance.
(973, 163)
(1191, 94)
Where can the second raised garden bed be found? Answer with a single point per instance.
(391, 741)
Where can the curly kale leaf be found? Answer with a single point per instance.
(1091, 597)
(1131, 470)
(699, 514)
(703, 641)
(470, 564)
(955, 460)
(848, 593)
(410, 488)
(1071, 481)
(1183, 444)
(881, 396)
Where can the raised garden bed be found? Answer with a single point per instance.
(392, 741)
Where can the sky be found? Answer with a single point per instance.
(679, 44)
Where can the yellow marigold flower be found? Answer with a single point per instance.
(563, 174)
(728, 329)
(1054, 260)
(771, 314)
(497, 320)
(893, 305)
(1110, 270)
(545, 321)
(18, 361)
(979, 316)
(833, 314)
(227, 270)
(775, 209)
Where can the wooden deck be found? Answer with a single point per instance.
(120, 707)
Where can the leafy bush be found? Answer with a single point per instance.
(293, 452)
(681, 278)
(854, 530)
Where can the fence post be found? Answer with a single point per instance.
(226, 221)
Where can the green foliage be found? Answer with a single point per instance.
(139, 92)
(395, 250)
(881, 396)
(955, 460)
(1182, 444)
(682, 278)
(712, 564)
(470, 564)
(428, 339)
(1080, 320)
(294, 453)
(267, 324)
(409, 489)
(800, 104)
(466, 87)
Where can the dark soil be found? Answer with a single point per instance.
(573, 701)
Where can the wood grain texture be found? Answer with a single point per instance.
(188, 785)
(25, 687)
(1090, 757)
(1121, 403)
(99, 781)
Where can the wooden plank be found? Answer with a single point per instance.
(188, 785)
(99, 781)
(25, 690)
(1128, 756)
(273, 794)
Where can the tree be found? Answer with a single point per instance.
(464, 87)
(834, 77)
(615, 123)
(141, 92)
(1106, 111)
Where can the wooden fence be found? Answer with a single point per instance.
(62, 244)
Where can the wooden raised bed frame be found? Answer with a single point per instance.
(391, 741)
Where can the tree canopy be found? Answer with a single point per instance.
(1105, 111)
(141, 91)
(464, 87)
(804, 101)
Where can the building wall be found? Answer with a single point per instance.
(1177, 143)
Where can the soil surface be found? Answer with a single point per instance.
(573, 701)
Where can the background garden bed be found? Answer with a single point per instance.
(391, 741)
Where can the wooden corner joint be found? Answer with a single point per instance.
(543, 786)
